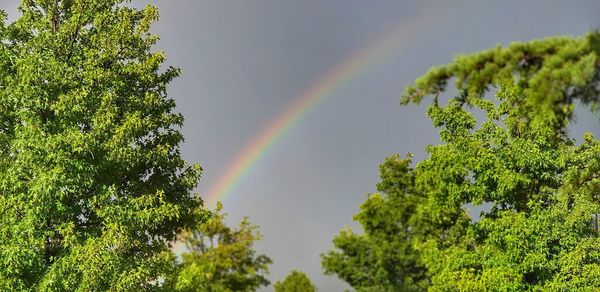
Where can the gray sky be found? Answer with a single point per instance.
(243, 62)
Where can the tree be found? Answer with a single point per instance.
(221, 258)
(296, 281)
(542, 187)
(381, 259)
(92, 185)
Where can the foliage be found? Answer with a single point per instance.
(519, 158)
(221, 258)
(381, 259)
(296, 281)
(92, 184)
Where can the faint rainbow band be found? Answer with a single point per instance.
(390, 44)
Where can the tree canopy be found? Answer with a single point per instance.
(220, 258)
(504, 143)
(296, 281)
(92, 185)
(382, 259)
(94, 190)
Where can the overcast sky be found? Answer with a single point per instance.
(244, 62)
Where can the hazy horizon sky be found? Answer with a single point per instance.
(245, 62)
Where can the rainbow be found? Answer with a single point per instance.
(389, 44)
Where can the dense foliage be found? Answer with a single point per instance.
(94, 191)
(382, 259)
(510, 151)
(92, 184)
(296, 281)
(220, 258)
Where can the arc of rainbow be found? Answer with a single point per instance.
(385, 46)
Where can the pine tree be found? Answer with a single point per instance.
(542, 188)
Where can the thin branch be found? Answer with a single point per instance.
(75, 34)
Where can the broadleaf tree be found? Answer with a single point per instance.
(92, 185)
(541, 186)
(382, 258)
(220, 258)
(295, 281)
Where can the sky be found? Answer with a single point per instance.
(247, 64)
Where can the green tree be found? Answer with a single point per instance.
(221, 258)
(296, 281)
(92, 184)
(542, 187)
(382, 258)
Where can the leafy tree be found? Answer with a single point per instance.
(543, 188)
(221, 258)
(296, 281)
(92, 184)
(382, 259)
